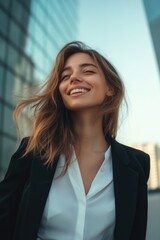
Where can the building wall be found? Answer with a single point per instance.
(152, 9)
(31, 34)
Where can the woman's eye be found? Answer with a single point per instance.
(65, 77)
(89, 71)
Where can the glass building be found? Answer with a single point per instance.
(153, 15)
(31, 34)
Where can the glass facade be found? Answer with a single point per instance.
(153, 15)
(31, 34)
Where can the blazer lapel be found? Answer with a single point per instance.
(125, 188)
(40, 183)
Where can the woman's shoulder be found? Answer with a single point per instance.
(141, 158)
(18, 159)
(23, 143)
(128, 149)
(137, 159)
(21, 147)
(135, 151)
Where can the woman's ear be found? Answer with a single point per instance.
(109, 92)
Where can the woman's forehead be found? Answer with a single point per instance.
(79, 58)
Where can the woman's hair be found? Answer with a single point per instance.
(51, 132)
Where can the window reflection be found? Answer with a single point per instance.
(2, 48)
(17, 10)
(3, 22)
(1, 79)
(15, 34)
(9, 84)
(8, 124)
(12, 57)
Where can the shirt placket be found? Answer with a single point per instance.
(77, 184)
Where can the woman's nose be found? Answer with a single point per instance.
(75, 78)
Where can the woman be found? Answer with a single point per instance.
(71, 179)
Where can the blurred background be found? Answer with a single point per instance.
(126, 32)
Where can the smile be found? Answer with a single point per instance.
(78, 90)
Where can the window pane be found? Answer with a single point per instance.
(1, 127)
(2, 49)
(3, 22)
(9, 126)
(9, 88)
(14, 33)
(25, 17)
(26, 68)
(5, 3)
(29, 48)
(48, 66)
(39, 76)
(16, 88)
(40, 14)
(17, 10)
(39, 35)
(39, 57)
(12, 57)
(31, 28)
(1, 80)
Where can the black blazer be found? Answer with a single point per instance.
(24, 191)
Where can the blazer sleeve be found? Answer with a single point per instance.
(144, 162)
(147, 167)
(11, 188)
(140, 222)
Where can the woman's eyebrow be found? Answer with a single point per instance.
(87, 64)
(81, 65)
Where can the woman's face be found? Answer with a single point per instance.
(82, 85)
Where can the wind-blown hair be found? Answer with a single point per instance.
(51, 132)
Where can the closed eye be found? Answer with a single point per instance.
(89, 71)
(65, 77)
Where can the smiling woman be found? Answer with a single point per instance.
(70, 179)
(83, 85)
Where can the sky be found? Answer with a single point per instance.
(119, 30)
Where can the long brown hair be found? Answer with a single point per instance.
(51, 132)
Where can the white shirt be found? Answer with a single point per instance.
(70, 214)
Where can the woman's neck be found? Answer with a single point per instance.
(89, 132)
